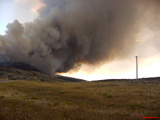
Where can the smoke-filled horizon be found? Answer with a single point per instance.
(70, 32)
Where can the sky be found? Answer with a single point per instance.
(125, 69)
(17, 9)
(148, 57)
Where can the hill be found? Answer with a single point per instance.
(140, 80)
(22, 71)
(69, 79)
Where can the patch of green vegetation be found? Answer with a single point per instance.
(110, 96)
(1, 96)
(34, 97)
(61, 92)
(111, 105)
(68, 102)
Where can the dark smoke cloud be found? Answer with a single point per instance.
(76, 31)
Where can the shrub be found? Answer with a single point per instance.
(1, 96)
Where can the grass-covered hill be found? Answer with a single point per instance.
(21, 71)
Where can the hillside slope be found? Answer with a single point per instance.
(22, 71)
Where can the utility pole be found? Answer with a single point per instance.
(137, 68)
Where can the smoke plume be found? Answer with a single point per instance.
(77, 31)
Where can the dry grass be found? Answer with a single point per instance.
(34, 100)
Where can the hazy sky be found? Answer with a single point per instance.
(149, 58)
(16, 9)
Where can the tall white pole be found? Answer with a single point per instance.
(137, 67)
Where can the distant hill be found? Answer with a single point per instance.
(70, 79)
(140, 80)
(22, 71)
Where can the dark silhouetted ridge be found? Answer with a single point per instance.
(69, 79)
(20, 65)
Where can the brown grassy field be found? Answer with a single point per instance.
(35, 100)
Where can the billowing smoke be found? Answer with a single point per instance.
(76, 31)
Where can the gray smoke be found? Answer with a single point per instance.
(76, 31)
